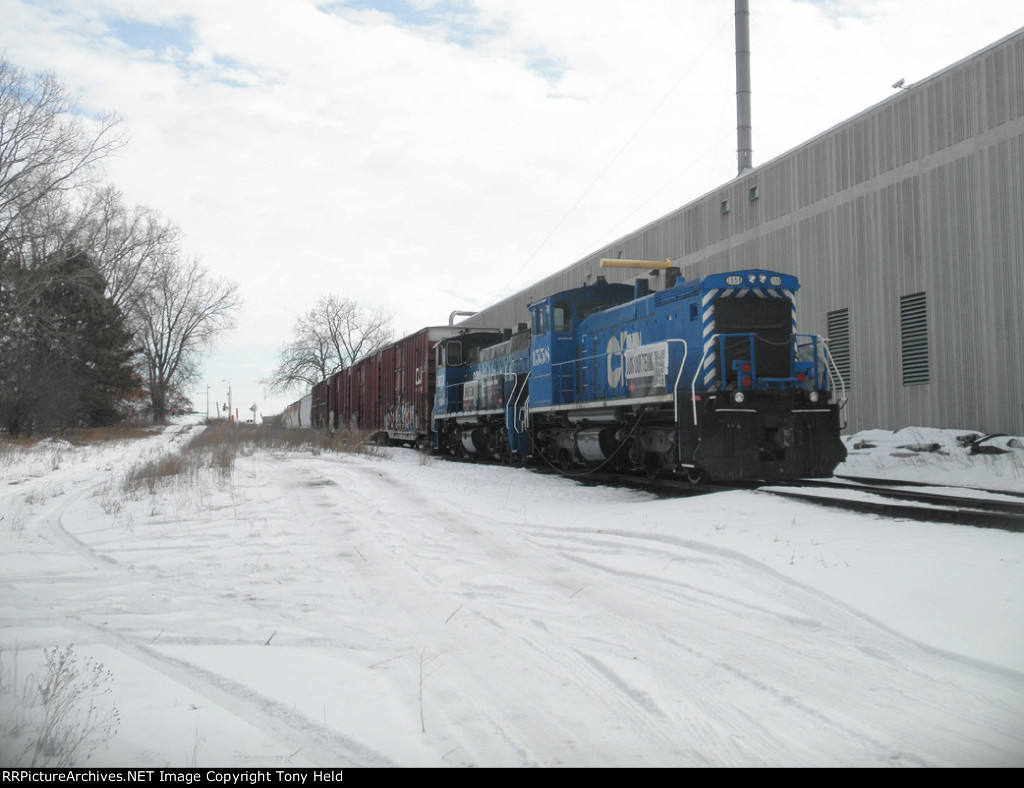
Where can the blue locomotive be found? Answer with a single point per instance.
(708, 378)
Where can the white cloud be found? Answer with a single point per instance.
(420, 156)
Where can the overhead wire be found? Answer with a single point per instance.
(617, 156)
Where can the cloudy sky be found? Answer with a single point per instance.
(425, 156)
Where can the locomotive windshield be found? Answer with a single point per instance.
(540, 322)
(453, 357)
(769, 319)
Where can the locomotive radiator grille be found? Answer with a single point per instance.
(709, 328)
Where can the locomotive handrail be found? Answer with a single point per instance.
(831, 369)
(831, 366)
(816, 357)
(519, 396)
(817, 339)
(515, 377)
(679, 376)
(708, 345)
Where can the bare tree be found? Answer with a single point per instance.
(123, 241)
(57, 328)
(47, 155)
(46, 149)
(333, 335)
(65, 242)
(175, 318)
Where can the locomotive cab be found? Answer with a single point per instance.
(456, 357)
(480, 385)
(556, 321)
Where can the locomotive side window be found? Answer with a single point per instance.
(454, 352)
(562, 318)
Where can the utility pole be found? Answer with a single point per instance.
(229, 399)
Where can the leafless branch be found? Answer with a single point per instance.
(333, 335)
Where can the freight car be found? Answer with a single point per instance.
(708, 378)
(388, 394)
(299, 414)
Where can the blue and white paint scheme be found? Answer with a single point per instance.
(707, 376)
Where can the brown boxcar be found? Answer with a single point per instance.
(390, 393)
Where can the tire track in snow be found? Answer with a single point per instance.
(813, 630)
(317, 744)
(566, 656)
(821, 629)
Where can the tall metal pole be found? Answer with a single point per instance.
(744, 127)
(229, 400)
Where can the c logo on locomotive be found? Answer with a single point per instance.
(614, 348)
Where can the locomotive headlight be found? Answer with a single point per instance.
(738, 397)
(763, 279)
(776, 281)
(752, 278)
(814, 396)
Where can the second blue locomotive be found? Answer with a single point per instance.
(708, 378)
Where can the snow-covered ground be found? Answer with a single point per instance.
(394, 610)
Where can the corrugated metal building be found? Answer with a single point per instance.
(905, 225)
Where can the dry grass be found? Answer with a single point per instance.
(14, 449)
(84, 436)
(216, 447)
(221, 443)
(245, 438)
(119, 432)
(180, 466)
(57, 717)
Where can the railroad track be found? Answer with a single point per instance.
(956, 505)
(897, 499)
